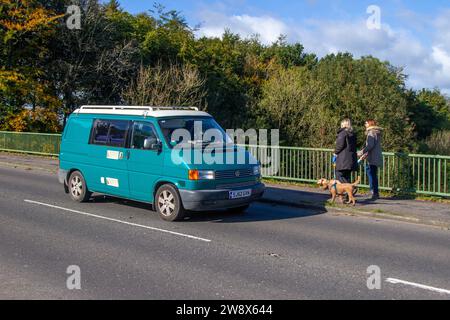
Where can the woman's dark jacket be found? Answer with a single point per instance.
(346, 150)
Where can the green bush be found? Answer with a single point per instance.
(437, 143)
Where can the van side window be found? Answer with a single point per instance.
(100, 132)
(110, 132)
(142, 131)
(117, 133)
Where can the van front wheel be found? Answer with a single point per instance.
(168, 203)
(77, 187)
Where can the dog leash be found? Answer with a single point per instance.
(334, 159)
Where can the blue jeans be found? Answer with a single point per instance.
(372, 172)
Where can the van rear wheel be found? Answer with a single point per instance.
(77, 187)
(168, 203)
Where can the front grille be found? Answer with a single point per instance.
(236, 185)
(233, 174)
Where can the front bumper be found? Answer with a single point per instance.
(204, 200)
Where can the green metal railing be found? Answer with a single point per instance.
(32, 143)
(429, 174)
(310, 164)
(422, 174)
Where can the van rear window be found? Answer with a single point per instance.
(110, 132)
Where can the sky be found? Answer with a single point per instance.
(413, 34)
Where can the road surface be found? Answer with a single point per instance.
(123, 250)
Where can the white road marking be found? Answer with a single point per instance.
(118, 221)
(417, 285)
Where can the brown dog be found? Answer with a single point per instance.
(339, 189)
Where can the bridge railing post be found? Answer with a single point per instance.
(403, 182)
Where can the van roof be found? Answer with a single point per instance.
(143, 111)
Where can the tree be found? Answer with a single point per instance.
(309, 104)
(437, 143)
(427, 113)
(436, 100)
(155, 58)
(94, 64)
(37, 120)
(169, 41)
(175, 85)
(294, 102)
(289, 55)
(25, 29)
(367, 88)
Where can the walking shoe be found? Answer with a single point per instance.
(375, 197)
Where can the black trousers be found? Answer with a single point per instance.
(344, 176)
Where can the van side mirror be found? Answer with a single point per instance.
(152, 144)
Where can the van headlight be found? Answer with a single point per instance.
(257, 170)
(201, 175)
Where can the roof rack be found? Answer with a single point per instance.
(175, 108)
(136, 108)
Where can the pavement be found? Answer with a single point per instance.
(125, 251)
(392, 208)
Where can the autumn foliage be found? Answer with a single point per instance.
(47, 70)
(25, 26)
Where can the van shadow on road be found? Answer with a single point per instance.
(259, 211)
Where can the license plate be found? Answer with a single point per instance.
(240, 194)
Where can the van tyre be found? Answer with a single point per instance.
(77, 187)
(66, 188)
(168, 203)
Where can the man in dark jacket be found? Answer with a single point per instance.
(346, 160)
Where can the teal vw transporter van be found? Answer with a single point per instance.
(130, 152)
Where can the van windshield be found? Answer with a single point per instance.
(203, 131)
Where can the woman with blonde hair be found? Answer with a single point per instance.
(345, 152)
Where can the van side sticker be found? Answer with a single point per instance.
(114, 155)
(112, 182)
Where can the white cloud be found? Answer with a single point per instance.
(398, 47)
(428, 65)
(441, 75)
(442, 30)
(442, 58)
(267, 28)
